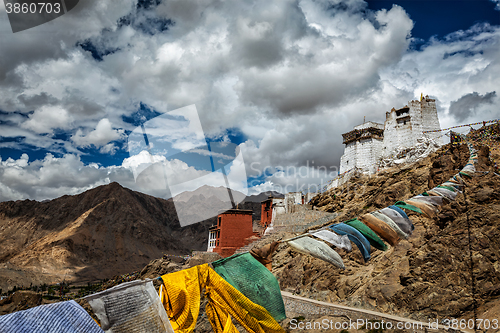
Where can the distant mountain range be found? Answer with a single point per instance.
(222, 194)
(263, 196)
(106, 231)
(210, 201)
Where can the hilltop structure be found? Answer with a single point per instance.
(369, 142)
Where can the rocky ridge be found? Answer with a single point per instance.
(100, 233)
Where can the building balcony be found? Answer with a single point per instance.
(365, 133)
(403, 112)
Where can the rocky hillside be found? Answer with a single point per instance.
(100, 233)
(103, 232)
(427, 276)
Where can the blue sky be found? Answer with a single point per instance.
(281, 81)
(442, 17)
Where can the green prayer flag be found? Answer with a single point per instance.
(253, 280)
(450, 188)
(402, 204)
(369, 234)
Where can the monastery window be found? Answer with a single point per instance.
(402, 112)
(220, 219)
(404, 120)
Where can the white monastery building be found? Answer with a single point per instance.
(369, 142)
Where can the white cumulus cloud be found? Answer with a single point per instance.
(100, 136)
(291, 75)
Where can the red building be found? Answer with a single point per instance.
(231, 232)
(266, 213)
(270, 208)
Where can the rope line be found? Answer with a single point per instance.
(478, 123)
(473, 278)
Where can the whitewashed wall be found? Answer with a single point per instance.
(278, 205)
(292, 198)
(309, 196)
(423, 117)
(430, 120)
(368, 152)
(362, 154)
(399, 132)
(348, 160)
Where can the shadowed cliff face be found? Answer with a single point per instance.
(100, 233)
(426, 276)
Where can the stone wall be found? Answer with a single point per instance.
(361, 154)
(303, 216)
(296, 306)
(368, 153)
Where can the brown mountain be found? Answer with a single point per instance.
(100, 233)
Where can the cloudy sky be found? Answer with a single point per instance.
(106, 90)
